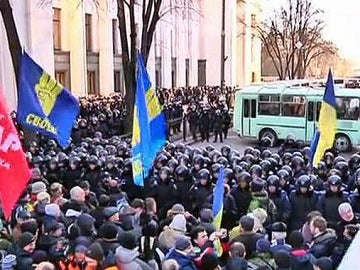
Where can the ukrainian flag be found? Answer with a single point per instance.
(217, 208)
(149, 126)
(324, 138)
(44, 105)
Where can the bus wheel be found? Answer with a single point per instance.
(270, 134)
(342, 143)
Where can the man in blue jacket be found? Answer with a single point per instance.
(182, 254)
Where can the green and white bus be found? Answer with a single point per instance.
(277, 110)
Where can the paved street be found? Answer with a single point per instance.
(236, 143)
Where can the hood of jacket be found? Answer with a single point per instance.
(126, 256)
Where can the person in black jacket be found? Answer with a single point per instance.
(329, 202)
(247, 236)
(324, 239)
(218, 125)
(303, 200)
(241, 193)
(23, 250)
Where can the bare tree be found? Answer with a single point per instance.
(292, 38)
(152, 11)
(12, 35)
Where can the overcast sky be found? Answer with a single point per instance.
(342, 18)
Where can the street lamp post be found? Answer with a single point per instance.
(222, 60)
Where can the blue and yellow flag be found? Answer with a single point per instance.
(149, 126)
(218, 202)
(45, 106)
(217, 208)
(324, 137)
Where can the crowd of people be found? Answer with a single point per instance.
(189, 110)
(82, 210)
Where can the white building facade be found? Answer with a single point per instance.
(78, 42)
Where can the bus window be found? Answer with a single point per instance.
(246, 108)
(293, 106)
(269, 105)
(347, 108)
(318, 108)
(253, 108)
(310, 116)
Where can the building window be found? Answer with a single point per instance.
(115, 27)
(253, 77)
(118, 82)
(91, 83)
(57, 28)
(187, 71)
(158, 73)
(60, 77)
(253, 20)
(88, 32)
(201, 72)
(173, 71)
(252, 48)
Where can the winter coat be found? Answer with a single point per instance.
(128, 260)
(242, 199)
(23, 259)
(249, 240)
(323, 244)
(185, 262)
(301, 260)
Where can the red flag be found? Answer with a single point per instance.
(14, 169)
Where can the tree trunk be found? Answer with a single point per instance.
(128, 67)
(12, 36)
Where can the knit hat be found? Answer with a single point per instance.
(127, 240)
(323, 263)
(257, 185)
(296, 239)
(43, 196)
(209, 262)
(30, 226)
(8, 262)
(282, 259)
(206, 215)
(278, 227)
(80, 249)
(182, 243)
(83, 240)
(85, 221)
(25, 239)
(108, 231)
(38, 187)
(263, 246)
(110, 211)
(247, 223)
(52, 209)
(178, 223)
(178, 209)
(51, 226)
(39, 256)
(95, 252)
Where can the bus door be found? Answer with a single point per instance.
(249, 116)
(313, 109)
